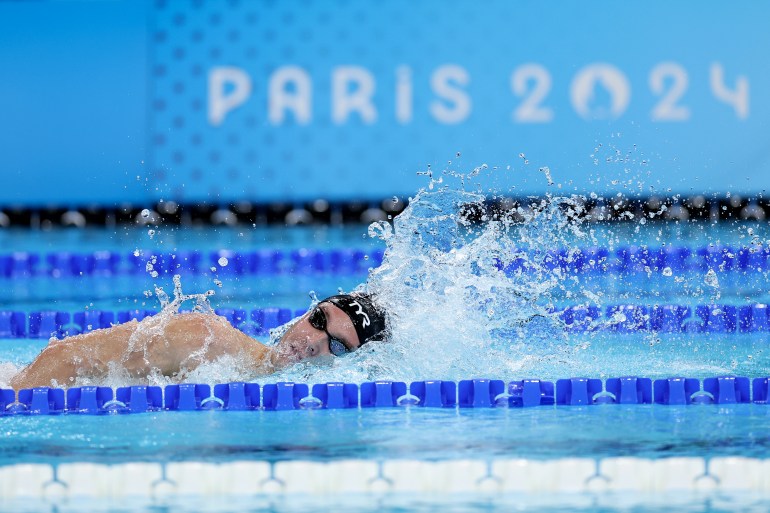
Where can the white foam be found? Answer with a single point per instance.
(7, 372)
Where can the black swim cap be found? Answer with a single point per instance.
(366, 316)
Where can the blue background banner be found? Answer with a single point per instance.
(295, 100)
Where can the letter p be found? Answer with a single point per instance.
(229, 87)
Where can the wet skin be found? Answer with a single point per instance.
(171, 347)
(177, 346)
(303, 341)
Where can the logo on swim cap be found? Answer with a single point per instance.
(366, 316)
(360, 312)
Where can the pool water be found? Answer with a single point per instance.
(641, 431)
(409, 433)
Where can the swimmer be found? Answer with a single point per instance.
(177, 344)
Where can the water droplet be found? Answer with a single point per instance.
(547, 172)
(145, 213)
(711, 279)
(222, 262)
(136, 253)
(380, 229)
(668, 272)
(151, 233)
(213, 269)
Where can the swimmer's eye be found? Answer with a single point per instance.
(337, 348)
(318, 320)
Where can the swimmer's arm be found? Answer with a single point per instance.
(187, 341)
(63, 360)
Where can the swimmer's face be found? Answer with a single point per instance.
(303, 341)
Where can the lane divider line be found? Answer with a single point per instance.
(624, 260)
(470, 393)
(623, 318)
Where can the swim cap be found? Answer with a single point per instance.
(366, 316)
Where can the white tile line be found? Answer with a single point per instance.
(73, 481)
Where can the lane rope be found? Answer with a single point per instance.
(470, 393)
(623, 318)
(351, 261)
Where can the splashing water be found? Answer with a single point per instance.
(170, 307)
(711, 279)
(152, 331)
(455, 307)
(472, 292)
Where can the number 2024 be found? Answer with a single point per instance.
(667, 80)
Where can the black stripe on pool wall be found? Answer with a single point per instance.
(322, 212)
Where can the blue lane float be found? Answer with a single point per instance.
(472, 393)
(351, 261)
(480, 393)
(335, 395)
(89, 400)
(676, 390)
(381, 394)
(728, 389)
(630, 390)
(139, 398)
(283, 396)
(434, 393)
(531, 392)
(261, 262)
(238, 396)
(577, 391)
(13, 324)
(716, 318)
(640, 259)
(39, 401)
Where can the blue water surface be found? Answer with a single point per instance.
(647, 431)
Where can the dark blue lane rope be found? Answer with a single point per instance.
(351, 261)
(628, 318)
(261, 262)
(471, 393)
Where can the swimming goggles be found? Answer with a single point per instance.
(318, 320)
